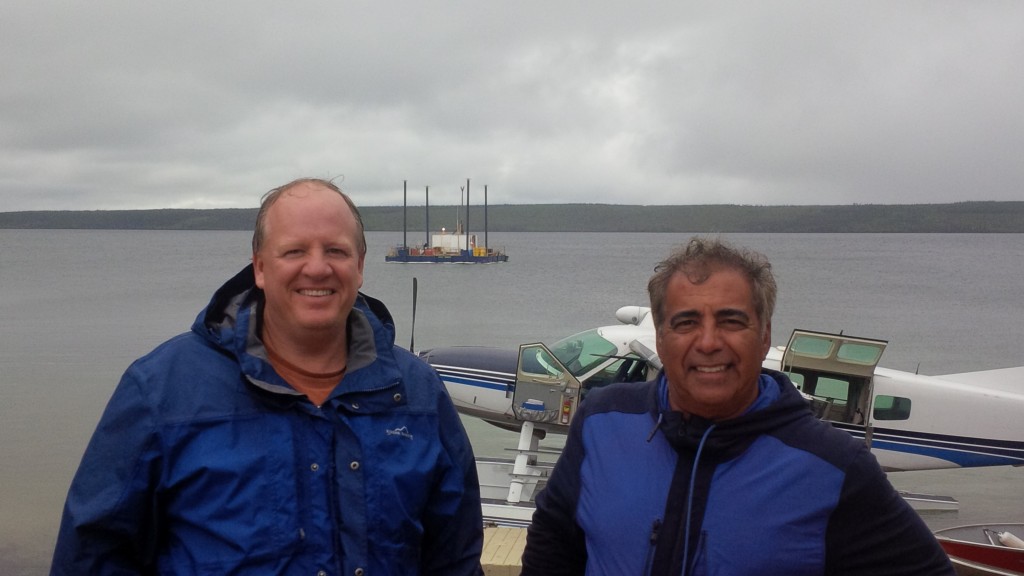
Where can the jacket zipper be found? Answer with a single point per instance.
(654, 545)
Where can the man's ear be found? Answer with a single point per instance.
(766, 339)
(257, 268)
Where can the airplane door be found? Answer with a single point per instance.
(546, 392)
(837, 371)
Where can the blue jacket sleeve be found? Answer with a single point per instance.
(108, 525)
(555, 544)
(875, 532)
(453, 530)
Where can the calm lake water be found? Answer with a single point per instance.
(76, 307)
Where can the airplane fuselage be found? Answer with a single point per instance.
(910, 421)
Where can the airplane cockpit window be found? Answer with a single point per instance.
(548, 366)
(811, 346)
(891, 408)
(856, 353)
(628, 369)
(583, 352)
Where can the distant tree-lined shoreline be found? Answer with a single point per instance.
(960, 217)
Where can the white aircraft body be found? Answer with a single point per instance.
(910, 421)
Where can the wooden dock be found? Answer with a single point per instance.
(503, 551)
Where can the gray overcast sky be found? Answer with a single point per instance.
(115, 104)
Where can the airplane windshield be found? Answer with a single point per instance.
(582, 352)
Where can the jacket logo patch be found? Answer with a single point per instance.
(403, 432)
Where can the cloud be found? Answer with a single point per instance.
(128, 105)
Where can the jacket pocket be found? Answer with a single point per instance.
(231, 490)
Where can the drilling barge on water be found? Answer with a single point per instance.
(457, 247)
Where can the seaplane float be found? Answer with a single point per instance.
(910, 421)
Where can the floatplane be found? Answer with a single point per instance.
(910, 421)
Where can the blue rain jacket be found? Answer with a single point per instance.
(773, 492)
(206, 462)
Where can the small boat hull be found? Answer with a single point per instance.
(966, 568)
(975, 549)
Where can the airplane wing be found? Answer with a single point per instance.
(1005, 379)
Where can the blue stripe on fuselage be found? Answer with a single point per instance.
(502, 387)
(960, 450)
(959, 457)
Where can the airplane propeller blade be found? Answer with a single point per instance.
(646, 353)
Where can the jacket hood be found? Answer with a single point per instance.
(232, 322)
(731, 437)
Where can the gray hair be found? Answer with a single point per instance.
(702, 256)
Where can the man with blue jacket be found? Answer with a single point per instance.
(718, 467)
(285, 434)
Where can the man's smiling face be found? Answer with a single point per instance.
(309, 266)
(711, 343)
